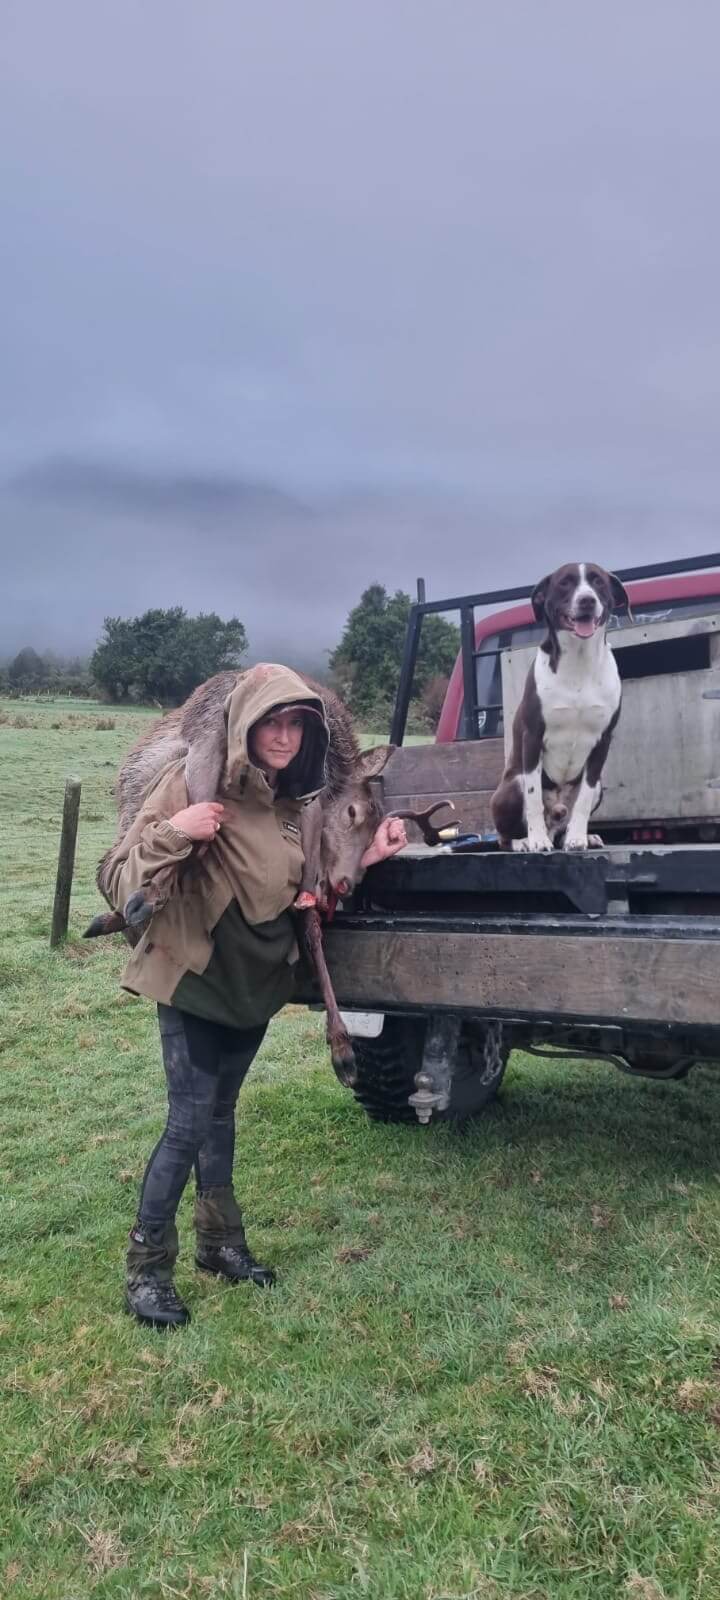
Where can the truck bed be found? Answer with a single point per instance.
(623, 877)
(627, 935)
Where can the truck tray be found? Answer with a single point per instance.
(640, 878)
(628, 935)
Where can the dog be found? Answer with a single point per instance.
(566, 718)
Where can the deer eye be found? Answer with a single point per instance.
(352, 813)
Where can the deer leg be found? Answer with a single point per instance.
(139, 908)
(203, 770)
(204, 764)
(106, 922)
(132, 921)
(341, 1050)
(311, 840)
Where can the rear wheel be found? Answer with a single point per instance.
(386, 1069)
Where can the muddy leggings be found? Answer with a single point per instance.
(205, 1065)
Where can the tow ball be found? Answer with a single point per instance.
(434, 1080)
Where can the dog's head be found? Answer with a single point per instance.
(578, 598)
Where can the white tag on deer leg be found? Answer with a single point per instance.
(363, 1024)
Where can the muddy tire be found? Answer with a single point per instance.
(386, 1069)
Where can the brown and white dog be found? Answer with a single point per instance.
(565, 720)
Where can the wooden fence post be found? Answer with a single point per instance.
(66, 862)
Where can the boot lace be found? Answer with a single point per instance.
(163, 1294)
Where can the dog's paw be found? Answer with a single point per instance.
(595, 842)
(538, 842)
(576, 841)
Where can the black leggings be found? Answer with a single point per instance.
(205, 1064)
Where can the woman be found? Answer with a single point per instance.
(218, 958)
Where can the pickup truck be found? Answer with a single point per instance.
(448, 957)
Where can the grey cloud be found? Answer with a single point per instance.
(300, 297)
(113, 489)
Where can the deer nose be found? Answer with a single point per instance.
(342, 887)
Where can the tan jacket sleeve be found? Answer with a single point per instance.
(152, 849)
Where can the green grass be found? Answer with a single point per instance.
(491, 1366)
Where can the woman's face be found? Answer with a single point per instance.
(276, 739)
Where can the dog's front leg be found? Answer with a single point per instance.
(590, 793)
(538, 837)
(576, 837)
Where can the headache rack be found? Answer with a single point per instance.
(467, 605)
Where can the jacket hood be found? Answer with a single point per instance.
(257, 692)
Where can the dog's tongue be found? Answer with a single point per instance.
(585, 629)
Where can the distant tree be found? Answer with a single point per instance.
(114, 664)
(27, 670)
(164, 655)
(366, 663)
(53, 674)
(66, 675)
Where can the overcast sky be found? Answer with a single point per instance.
(301, 295)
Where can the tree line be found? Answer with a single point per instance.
(160, 657)
(49, 673)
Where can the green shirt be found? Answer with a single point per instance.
(249, 975)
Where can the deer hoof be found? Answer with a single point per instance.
(106, 922)
(343, 1060)
(137, 910)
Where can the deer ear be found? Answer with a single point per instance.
(373, 761)
(621, 598)
(538, 597)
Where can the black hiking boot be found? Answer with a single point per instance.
(150, 1294)
(156, 1302)
(228, 1261)
(221, 1244)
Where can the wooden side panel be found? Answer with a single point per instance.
(467, 773)
(665, 757)
(627, 979)
(472, 808)
(436, 769)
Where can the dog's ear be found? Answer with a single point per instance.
(620, 596)
(539, 596)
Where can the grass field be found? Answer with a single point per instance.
(491, 1367)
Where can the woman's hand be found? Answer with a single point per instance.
(201, 821)
(390, 838)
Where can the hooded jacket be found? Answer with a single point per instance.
(222, 944)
